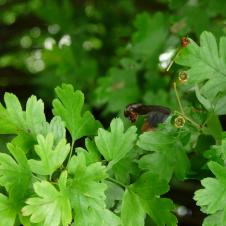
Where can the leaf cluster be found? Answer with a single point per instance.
(47, 180)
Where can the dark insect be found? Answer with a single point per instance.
(154, 114)
(184, 41)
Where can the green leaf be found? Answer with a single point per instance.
(56, 127)
(126, 168)
(7, 211)
(113, 193)
(24, 141)
(94, 216)
(214, 189)
(142, 198)
(205, 102)
(51, 157)
(217, 219)
(16, 121)
(221, 149)
(91, 154)
(85, 180)
(214, 127)
(154, 162)
(163, 217)
(35, 117)
(15, 174)
(117, 89)
(114, 145)
(132, 212)
(149, 30)
(69, 107)
(167, 155)
(150, 185)
(207, 67)
(7, 126)
(87, 193)
(12, 118)
(14, 110)
(51, 206)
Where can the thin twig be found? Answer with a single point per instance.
(117, 182)
(178, 98)
(71, 150)
(190, 120)
(173, 60)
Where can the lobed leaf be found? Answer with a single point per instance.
(50, 206)
(214, 189)
(69, 106)
(207, 69)
(51, 157)
(114, 145)
(142, 198)
(167, 155)
(15, 174)
(87, 193)
(7, 211)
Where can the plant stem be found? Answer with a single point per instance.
(173, 60)
(178, 98)
(190, 120)
(117, 182)
(37, 178)
(71, 150)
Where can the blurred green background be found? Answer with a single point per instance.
(116, 52)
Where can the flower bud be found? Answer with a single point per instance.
(179, 121)
(183, 77)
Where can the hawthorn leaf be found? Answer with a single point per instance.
(7, 126)
(96, 216)
(217, 219)
(87, 193)
(207, 67)
(25, 221)
(150, 185)
(152, 162)
(85, 181)
(50, 206)
(126, 167)
(14, 110)
(12, 117)
(113, 193)
(204, 101)
(221, 149)
(7, 211)
(51, 157)
(143, 197)
(167, 157)
(56, 127)
(92, 155)
(216, 153)
(34, 115)
(15, 174)
(117, 89)
(214, 189)
(160, 210)
(114, 145)
(150, 29)
(69, 106)
(24, 141)
(14, 120)
(132, 212)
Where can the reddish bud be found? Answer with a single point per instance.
(184, 41)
